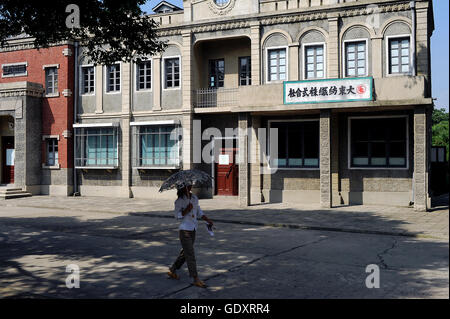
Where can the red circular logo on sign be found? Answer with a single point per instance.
(361, 89)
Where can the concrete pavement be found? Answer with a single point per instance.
(360, 219)
(121, 255)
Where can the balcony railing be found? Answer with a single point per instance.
(387, 89)
(212, 97)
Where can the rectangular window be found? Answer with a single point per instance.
(172, 73)
(355, 59)
(399, 56)
(298, 144)
(158, 145)
(52, 152)
(378, 142)
(245, 71)
(144, 75)
(15, 69)
(314, 62)
(113, 78)
(97, 147)
(51, 80)
(216, 74)
(277, 65)
(88, 84)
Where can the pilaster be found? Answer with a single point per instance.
(243, 160)
(187, 149)
(186, 73)
(157, 78)
(293, 62)
(255, 36)
(255, 161)
(377, 57)
(420, 159)
(99, 89)
(325, 158)
(335, 178)
(125, 130)
(333, 48)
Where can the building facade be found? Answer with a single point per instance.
(36, 118)
(311, 101)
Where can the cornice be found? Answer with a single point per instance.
(17, 89)
(28, 44)
(21, 92)
(17, 47)
(285, 18)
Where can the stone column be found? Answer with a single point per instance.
(333, 48)
(157, 83)
(293, 62)
(325, 158)
(255, 53)
(243, 160)
(255, 161)
(420, 159)
(125, 130)
(99, 89)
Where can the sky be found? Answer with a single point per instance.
(439, 49)
(439, 54)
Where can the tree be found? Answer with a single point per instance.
(440, 128)
(111, 30)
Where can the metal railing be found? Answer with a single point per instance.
(213, 97)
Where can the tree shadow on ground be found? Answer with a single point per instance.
(128, 256)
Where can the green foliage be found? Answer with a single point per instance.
(441, 129)
(111, 30)
(439, 115)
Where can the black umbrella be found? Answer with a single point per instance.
(191, 177)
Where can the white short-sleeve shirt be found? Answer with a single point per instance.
(188, 221)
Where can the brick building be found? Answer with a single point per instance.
(36, 116)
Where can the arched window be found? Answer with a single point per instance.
(313, 55)
(356, 52)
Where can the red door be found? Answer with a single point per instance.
(8, 159)
(227, 173)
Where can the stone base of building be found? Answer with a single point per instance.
(291, 196)
(153, 193)
(33, 189)
(311, 197)
(104, 191)
(375, 198)
(56, 190)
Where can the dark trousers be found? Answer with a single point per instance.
(187, 254)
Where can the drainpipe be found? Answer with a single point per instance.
(414, 71)
(75, 106)
(413, 36)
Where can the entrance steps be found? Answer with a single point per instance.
(12, 192)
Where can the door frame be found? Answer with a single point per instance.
(3, 154)
(213, 162)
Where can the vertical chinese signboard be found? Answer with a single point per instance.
(328, 91)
